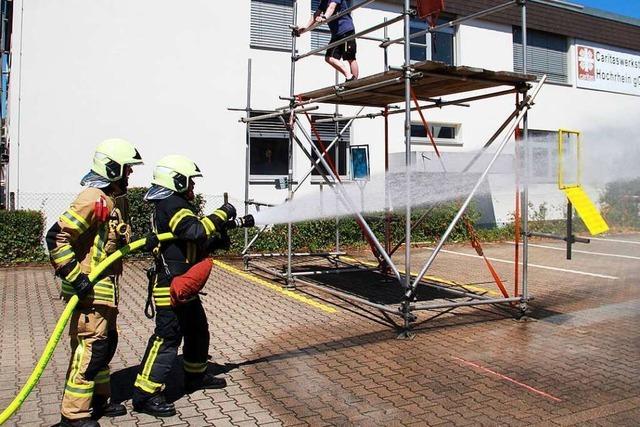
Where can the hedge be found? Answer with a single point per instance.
(621, 203)
(21, 234)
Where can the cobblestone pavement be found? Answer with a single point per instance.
(290, 359)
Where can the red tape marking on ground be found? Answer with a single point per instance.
(504, 377)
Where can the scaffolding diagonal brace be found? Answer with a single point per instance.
(524, 108)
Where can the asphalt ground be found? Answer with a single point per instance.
(305, 358)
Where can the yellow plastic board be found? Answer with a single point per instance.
(586, 210)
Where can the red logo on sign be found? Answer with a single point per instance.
(586, 63)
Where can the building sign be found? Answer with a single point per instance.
(606, 69)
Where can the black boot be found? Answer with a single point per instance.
(202, 381)
(103, 407)
(156, 405)
(82, 422)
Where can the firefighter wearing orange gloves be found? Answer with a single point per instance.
(94, 226)
(182, 267)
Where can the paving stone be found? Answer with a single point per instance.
(307, 367)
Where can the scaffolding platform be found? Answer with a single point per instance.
(430, 80)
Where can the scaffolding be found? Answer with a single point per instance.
(416, 86)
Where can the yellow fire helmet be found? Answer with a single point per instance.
(174, 171)
(112, 155)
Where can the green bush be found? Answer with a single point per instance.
(621, 203)
(21, 235)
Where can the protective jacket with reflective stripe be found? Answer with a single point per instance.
(80, 240)
(176, 215)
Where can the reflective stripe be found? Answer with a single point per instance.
(103, 377)
(79, 390)
(77, 360)
(220, 214)
(162, 301)
(179, 216)
(209, 226)
(74, 273)
(161, 291)
(142, 380)
(153, 353)
(104, 290)
(147, 385)
(67, 288)
(75, 221)
(98, 247)
(61, 254)
(161, 296)
(195, 368)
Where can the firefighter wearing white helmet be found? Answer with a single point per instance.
(94, 226)
(181, 269)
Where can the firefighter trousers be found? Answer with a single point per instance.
(94, 339)
(172, 324)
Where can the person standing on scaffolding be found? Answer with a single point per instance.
(341, 29)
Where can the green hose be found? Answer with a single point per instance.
(62, 323)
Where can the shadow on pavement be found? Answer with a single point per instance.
(122, 380)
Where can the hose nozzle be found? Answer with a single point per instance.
(246, 221)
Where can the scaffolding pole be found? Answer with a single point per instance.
(247, 152)
(292, 88)
(525, 183)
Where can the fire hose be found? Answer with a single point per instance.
(62, 323)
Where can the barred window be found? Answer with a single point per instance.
(443, 133)
(270, 20)
(268, 148)
(327, 132)
(546, 54)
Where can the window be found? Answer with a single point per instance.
(328, 133)
(270, 20)
(268, 149)
(433, 47)
(546, 54)
(321, 35)
(443, 133)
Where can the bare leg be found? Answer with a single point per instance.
(355, 70)
(338, 65)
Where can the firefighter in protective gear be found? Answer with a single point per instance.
(182, 267)
(94, 226)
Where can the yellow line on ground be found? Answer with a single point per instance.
(293, 295)
(436, 279)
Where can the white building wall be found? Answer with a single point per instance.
(163, 74)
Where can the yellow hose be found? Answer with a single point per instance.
(62, 323)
